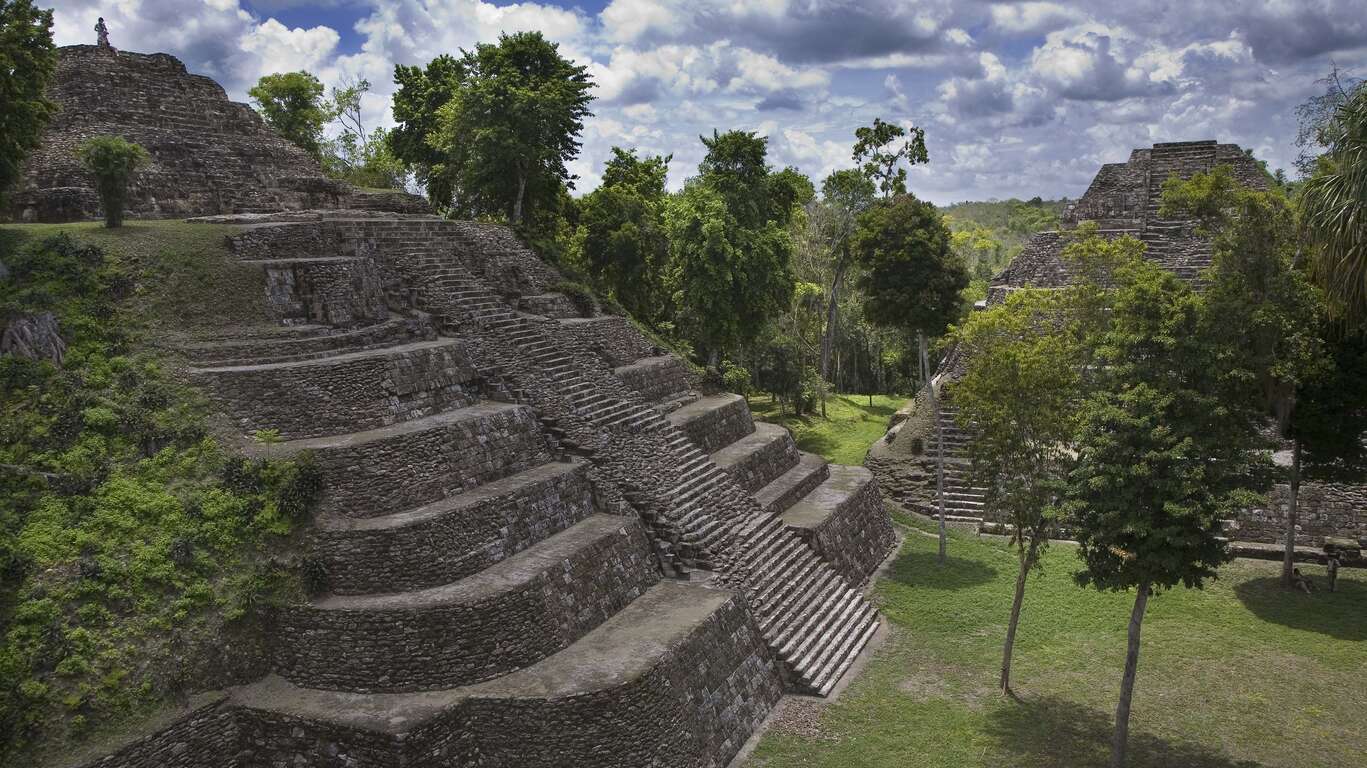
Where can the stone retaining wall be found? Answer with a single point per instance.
(695, 709)
(341, 294)
(204, 737)
(346, 393)
(717, 428)
(554, 305)
(612, 338)
(490, 525)
(1323, 510)
(757, 469)
(413, 468)
(657, 378)
(857, 536)
(468, 637)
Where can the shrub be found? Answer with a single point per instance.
(580, 295)
(112, 161)
(735, 378)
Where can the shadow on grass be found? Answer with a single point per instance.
(1051, 732)
(1341, 614)
(862, 404)
(924, 570)
(817, 442)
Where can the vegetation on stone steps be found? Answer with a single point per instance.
(292, 104)
(137, 552)
(29, 61)
(112, 160)
(1241, 673)
(580, 295)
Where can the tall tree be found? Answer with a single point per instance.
(1334, 210)
(112, 161)
(1266, 312)
(27, 61)
(292, 103)
(511, 125)
(882, 148)
(730, 266)
(621, 228)
(844, 195)
(1164, 452)
(418, 100)
(912, 281)
(1018, 398)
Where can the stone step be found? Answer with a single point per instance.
(405, 465)
(714, 422)
(455, 537)
(510, 615)
(346, 392)
(760, 457)
(606, 688)
(320, 341)
(785, 490)
(843, 520)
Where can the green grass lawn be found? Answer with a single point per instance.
(844, 436)
(1242, 673)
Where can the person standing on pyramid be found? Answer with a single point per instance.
(103, 32)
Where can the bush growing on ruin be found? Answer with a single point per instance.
(112, 161)
(29, 59)
(580, 295)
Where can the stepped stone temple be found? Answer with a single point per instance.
(1123, 199)
(542, 540)
(208, 154)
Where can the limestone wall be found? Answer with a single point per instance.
(612, 338)
(465, 633)
(713, 428)
(360, 391)
(204, 737)
(1323, 510)
(656, 378)
(337, 292)
(455, 537)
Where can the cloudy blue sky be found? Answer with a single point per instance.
(1017, 98)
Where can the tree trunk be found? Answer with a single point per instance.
(517, 201)
(1027, 559)
(827, 338)
(939, 440)
(1292, 512)
(1120, 740)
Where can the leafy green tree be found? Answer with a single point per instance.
(622, 230)
(1165, 450)
(1018, 398)
(27, 61)
(361, 157)
(421, 94)
(880, 156)
(1316, 118)
(112, 161)
(292, 103)
(1265, 312)
(912, 280)
(1333, 208)
(511, 124)
(730, 252)
(726, 279)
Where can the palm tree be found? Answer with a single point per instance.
(1334, 210)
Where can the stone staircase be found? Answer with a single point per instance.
(698, 516)
(1171, 242)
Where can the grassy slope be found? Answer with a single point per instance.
(844, 436)
(1239, 674)
(187, 282)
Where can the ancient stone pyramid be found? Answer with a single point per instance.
(209, 155)
(544, 540)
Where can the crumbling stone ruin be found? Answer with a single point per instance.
(208, 154)
(542, 543)
(542, 540)
(1123, 199)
